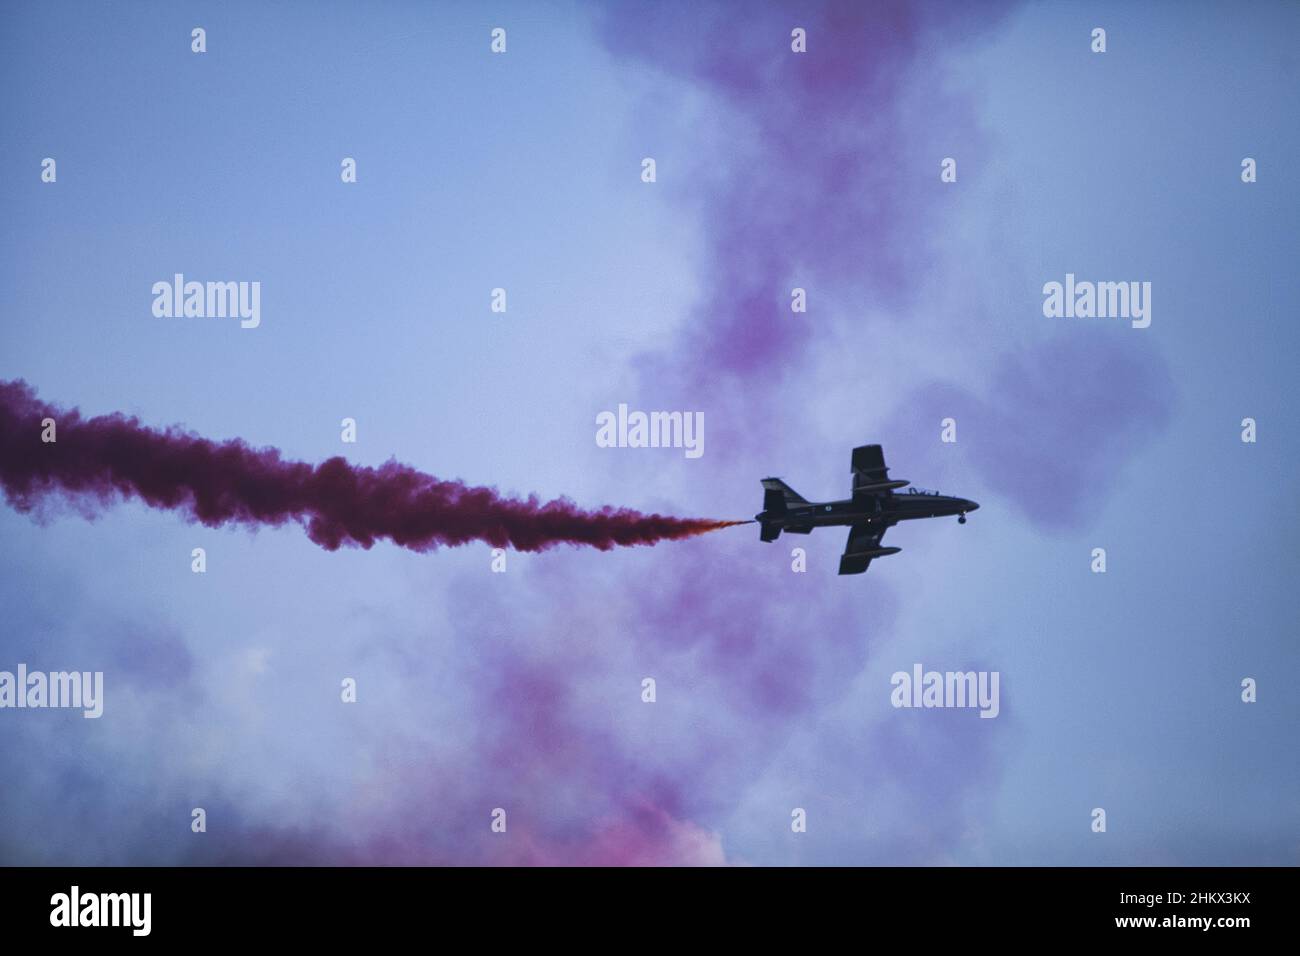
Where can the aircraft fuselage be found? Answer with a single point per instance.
(877, 509)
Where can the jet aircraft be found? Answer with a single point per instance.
(873, 509)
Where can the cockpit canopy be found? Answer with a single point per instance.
(913, 490)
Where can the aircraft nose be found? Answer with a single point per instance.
(971, 505)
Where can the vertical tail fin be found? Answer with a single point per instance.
(775, 489)
(777, 499)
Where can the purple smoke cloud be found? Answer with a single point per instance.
(94, 461)
(816, 199)
(1055, 422)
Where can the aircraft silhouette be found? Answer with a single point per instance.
(873, 509)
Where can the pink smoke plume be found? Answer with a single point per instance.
(100, 460)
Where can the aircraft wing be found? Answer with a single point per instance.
(869, 467)
(862, 538)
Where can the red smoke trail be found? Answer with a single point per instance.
(111, 457)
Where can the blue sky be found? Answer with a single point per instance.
(522, 171)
